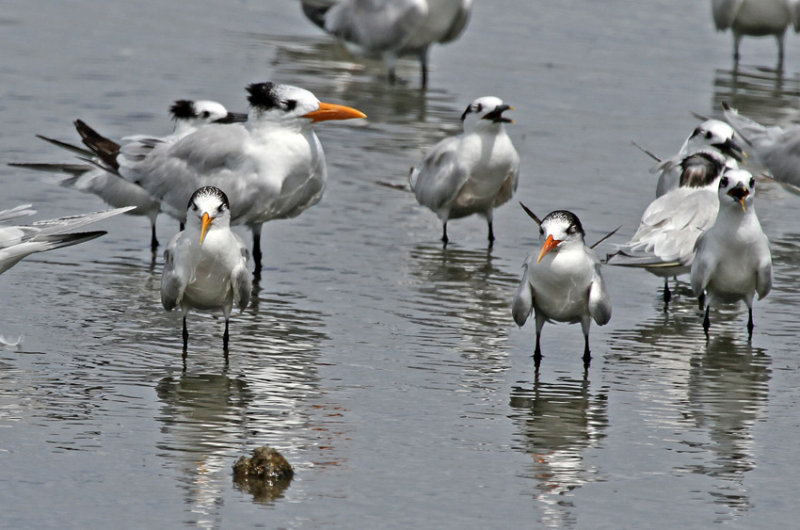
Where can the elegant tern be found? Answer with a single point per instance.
(733, 260)
(710, 134)
(389, 29)
(271, 167)
(16, 242)
(98, 174)
(775, 148)
(562, 282)
(663, 244)
(205, 265)
(756, 18)
(472, 172)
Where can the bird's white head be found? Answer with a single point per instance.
(287, 104)
(486, 111)
(737, 189)
(559, 229)
(716, 134)
(208, 205)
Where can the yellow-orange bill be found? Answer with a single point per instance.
(205, 222)
(549, 244)
(332, 111)
(741, 201)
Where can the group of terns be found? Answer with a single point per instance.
(219, 169)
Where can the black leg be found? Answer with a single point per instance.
(701, 301)
(537, 354)
(444, 234)
(667, 293)
(587, 355)
(257, 249)
(185, 335)
(750, 323)
(182, 226)
(491, 233)
(225, 337)
(706, 321)
(153, 238)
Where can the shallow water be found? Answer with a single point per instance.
(387, 370)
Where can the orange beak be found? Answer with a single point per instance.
(205, 222)
(331, 111)
(549, 244)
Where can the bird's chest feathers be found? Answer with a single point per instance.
(561, 283)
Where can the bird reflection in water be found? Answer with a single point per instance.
(556, 423)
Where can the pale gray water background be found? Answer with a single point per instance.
(389, 372)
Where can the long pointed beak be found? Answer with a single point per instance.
(205, 222)
(732, 149)
(331, 111)
(549, 244)
(233, 117)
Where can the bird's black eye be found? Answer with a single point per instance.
(752, 182)
(194, 207)
(478, 107)
(205, 114)
(221, 208)
(708, 134)
(723, 182)
(291, 104)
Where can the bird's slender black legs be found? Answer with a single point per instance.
(445, 239)
(153, 238)
(257, 250)
(706, 321)
(667, 292)
(750, 323)
(587, 354)
(491, 233)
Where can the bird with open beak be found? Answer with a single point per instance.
(732, 259)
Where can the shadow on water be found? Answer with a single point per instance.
(763, 94)
(556, 423)
(728, 387)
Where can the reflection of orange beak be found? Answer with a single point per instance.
(205, 222)
(331, 111)
(549, 244)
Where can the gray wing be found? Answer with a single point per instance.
(241, 280)
(599, 298)
(10, 255)
(459, 22)
(374, 26)
(670, 227)
(702, 267)
(71, 222)
(174, 278)
(17, 211)
(522, 304)
(724, 12)
(438, 180)
(764, 272)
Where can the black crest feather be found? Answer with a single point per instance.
(183, 108)
(263, 95)
(213, 191)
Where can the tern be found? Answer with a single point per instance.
(562, 282)
(389, 29)
(205, 265)
(775, 148)
(756, 18)
(710, 134)
(733, 260)
(98, 174)
(663, 244)
(16, 242)
(473, 172)
(271, 167)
